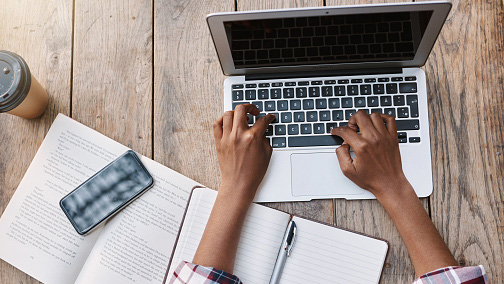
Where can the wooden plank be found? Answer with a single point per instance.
(321, 210)
(112, 82)
(187, 88)
(41, 32)
(465, 75)
(369, 217)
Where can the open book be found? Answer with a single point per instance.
(133, 247)
(320, 254)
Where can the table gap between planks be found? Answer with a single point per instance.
(145, 73)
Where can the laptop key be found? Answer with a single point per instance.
(378, 89)
(349, 113)
(318, 140)
(314, 91)
(386, 101)
(290, 83)
(402, 135)
(240, 103)
(334, 103)
(276, 120)
(288, 93)
(365, 89)
(286, 117)
(339, 90)
(337, 115)
(240, 86)
(305, 128)
(316, 82)
(390, 111)
(303, 83)
(277, 84)
(250, 119)
(279, 142)
(392, 88)
(412, 101)
(327, 91)
(276, 93)
(263, 94)
(360, 102)
(414, 140)
(299, 116)
(269, 130)
(330, 82)
(259, 105)
(282, 105)
(353, 90)
(346, 103)
(293, 129)
(280, 130)
(237, 95)
(408, 124)
(397, 79)
(264, 85)
(399, 100)
(383, 79)
(343, 81)
(250, 95)
(321, 103)
(372, 101)
(343, 124)
(408, 87)
(251, 85)
(301, 93)
(269, 106)
(330, 126)
(295, 104)
(403, 140)
(325, 115)
(412, 78)
(318, 128)
(311, 116)
(378, 110)
(403, 112)
(308, 104)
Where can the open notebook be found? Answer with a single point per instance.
(321, 253)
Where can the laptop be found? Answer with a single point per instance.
(314, 68)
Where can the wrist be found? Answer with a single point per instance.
(240, 195)
(395, 193)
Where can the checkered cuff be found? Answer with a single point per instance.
(454, 275)
(189, 273)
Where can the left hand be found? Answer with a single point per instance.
(244, 152)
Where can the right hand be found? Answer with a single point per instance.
(377, 164)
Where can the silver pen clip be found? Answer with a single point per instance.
(291, 238)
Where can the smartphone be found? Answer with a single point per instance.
(106, 193)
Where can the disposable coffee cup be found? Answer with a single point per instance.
(20, 93)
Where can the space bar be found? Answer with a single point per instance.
(320, 140)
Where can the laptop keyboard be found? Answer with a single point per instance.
(306, 111)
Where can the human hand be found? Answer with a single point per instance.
(244, 152)
(377, 164)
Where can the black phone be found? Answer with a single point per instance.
(106, 192)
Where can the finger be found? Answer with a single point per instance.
(361, 121)
(240, 115)
(391, 124)
(262, 123)
(217, 129)
(345, 161)
(378, 122)
(227, 121)
(267, 146)
(349, 135)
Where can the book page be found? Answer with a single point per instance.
(135, 246)
(260, 239)
(35, 235)
(325, 254)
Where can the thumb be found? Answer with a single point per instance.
(345, 161)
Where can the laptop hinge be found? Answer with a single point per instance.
(308, 74)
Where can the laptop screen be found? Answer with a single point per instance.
(326, 39)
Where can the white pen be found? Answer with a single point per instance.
(284, 252)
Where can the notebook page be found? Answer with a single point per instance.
(259, 242)
(324, 254)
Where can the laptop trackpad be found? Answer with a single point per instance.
(316, 174)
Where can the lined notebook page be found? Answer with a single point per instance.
(259, 243)
(324, 254)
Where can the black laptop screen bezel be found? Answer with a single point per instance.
(216, 22)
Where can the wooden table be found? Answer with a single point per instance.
(145, 73)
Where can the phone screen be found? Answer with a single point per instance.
(106, 192)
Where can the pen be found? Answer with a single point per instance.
(284, 252)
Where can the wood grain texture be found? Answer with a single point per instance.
(112, 81)
(321, 210)
(369, 217)
(188, 84)
(465, 75)
(41, 32)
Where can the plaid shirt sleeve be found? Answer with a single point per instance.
(455, 275)
(188, 273)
